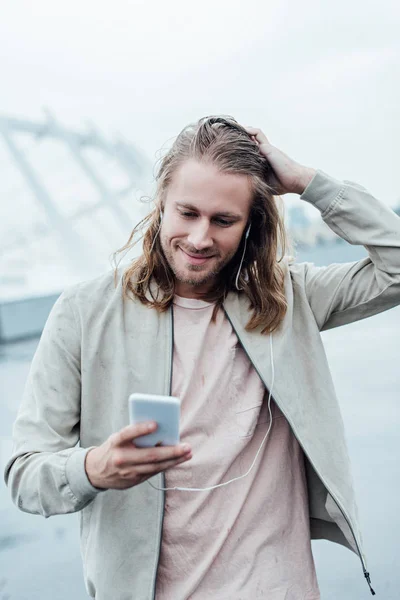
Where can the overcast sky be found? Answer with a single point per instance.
(322, 79)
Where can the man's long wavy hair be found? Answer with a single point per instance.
(222, 142)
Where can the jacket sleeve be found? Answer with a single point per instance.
(46, 473)
(342, 293)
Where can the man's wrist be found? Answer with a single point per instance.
(306, 175)
(90, 469)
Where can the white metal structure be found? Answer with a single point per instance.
(68, 200)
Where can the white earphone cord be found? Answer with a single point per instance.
(241, 262)
(181, 489)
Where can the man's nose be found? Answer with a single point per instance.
(199, 236)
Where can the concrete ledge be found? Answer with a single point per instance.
(23, 318)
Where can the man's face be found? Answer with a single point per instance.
(205, 214)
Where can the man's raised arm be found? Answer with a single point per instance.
(342, 293)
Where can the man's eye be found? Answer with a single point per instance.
(192, 215)
(223, 223)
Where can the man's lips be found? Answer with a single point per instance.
(196, 259)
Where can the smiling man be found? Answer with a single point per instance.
(215, 312)
(205, 213)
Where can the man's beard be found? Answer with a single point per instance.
(209, 276)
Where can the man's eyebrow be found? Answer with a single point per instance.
(223, 213)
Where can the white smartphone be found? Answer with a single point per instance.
(164, 410)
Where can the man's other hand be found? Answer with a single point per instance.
(289, 177)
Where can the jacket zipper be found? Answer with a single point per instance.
(161, 522)
(366, 574)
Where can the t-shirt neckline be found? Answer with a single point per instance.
(193, 303)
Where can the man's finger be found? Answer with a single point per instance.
(153, 468)
(159, 454)
(258, 134)
(130, 432)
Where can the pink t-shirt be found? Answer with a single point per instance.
(251, 538)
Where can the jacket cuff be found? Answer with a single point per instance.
(323, 190)
(77, 478)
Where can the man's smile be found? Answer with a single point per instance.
(195, 259)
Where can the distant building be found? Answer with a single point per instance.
(298, 218)
(308, 232)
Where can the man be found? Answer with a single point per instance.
(209, 313)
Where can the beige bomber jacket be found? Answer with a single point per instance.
(96, 350)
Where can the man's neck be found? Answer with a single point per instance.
(187, 290)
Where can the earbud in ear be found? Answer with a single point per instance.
(161, 216)
(248, 231)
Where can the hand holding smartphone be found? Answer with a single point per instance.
(128, 457)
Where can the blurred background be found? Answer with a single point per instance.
(91, 96)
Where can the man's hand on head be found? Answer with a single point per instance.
(289, 176)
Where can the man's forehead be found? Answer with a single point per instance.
(203, 186)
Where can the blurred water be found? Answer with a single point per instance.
(40, 559)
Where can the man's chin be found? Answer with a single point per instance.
(195, 278)
(195, 275)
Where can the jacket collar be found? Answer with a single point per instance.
(255, 344)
